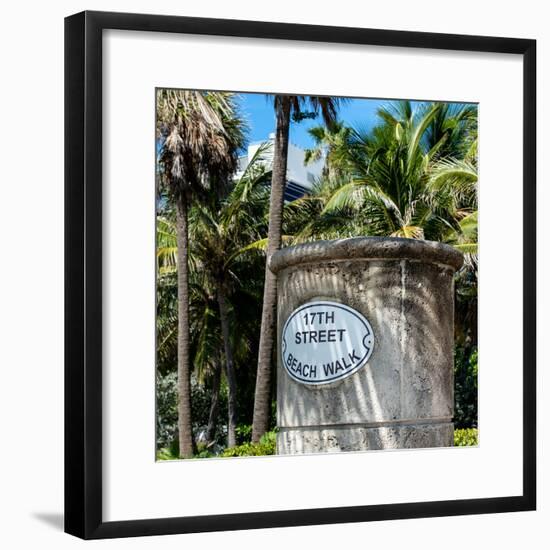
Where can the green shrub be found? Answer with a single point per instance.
(269, 439)
(465, 374)
(166, 453)
(205, 453)
(172, 453)
(467, 437)
(167, 410)
(266, 446)
(243, 433)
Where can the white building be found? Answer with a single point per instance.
(299, 176)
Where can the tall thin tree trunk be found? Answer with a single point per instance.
(262, 397)
(214, 403)
(230, 372)
(184, 371)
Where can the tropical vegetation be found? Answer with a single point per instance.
(413, 175)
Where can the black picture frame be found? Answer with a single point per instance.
(83, 273)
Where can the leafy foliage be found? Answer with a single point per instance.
(167, 409)
(467, 437)
(167, 414)
(244, 432)
(199, 136)
(405, 178)
(168, 453)
(465, 369)
(414, 175)
(225, 255)
(266, 446)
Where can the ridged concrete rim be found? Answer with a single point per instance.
(366, 248)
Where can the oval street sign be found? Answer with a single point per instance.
(325, 341)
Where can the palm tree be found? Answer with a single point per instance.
(333, 142)
(196, 148)
(401, 183)
(224, 229)
(412, 176)
(285, 107)
(453, 130)
(460, 176)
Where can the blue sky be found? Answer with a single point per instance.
(258, 110)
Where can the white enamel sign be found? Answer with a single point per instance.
(325, 341)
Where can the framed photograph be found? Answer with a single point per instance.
(300, 275)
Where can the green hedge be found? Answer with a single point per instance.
(166, 453)
(266, 446)
(467, 437)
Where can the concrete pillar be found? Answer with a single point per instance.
(366, 358)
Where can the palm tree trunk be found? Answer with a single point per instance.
(184, 371)
(262, 397)
(230, 372)
(214, 403)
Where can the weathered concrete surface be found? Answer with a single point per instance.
(346, 438)
(403, 397)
